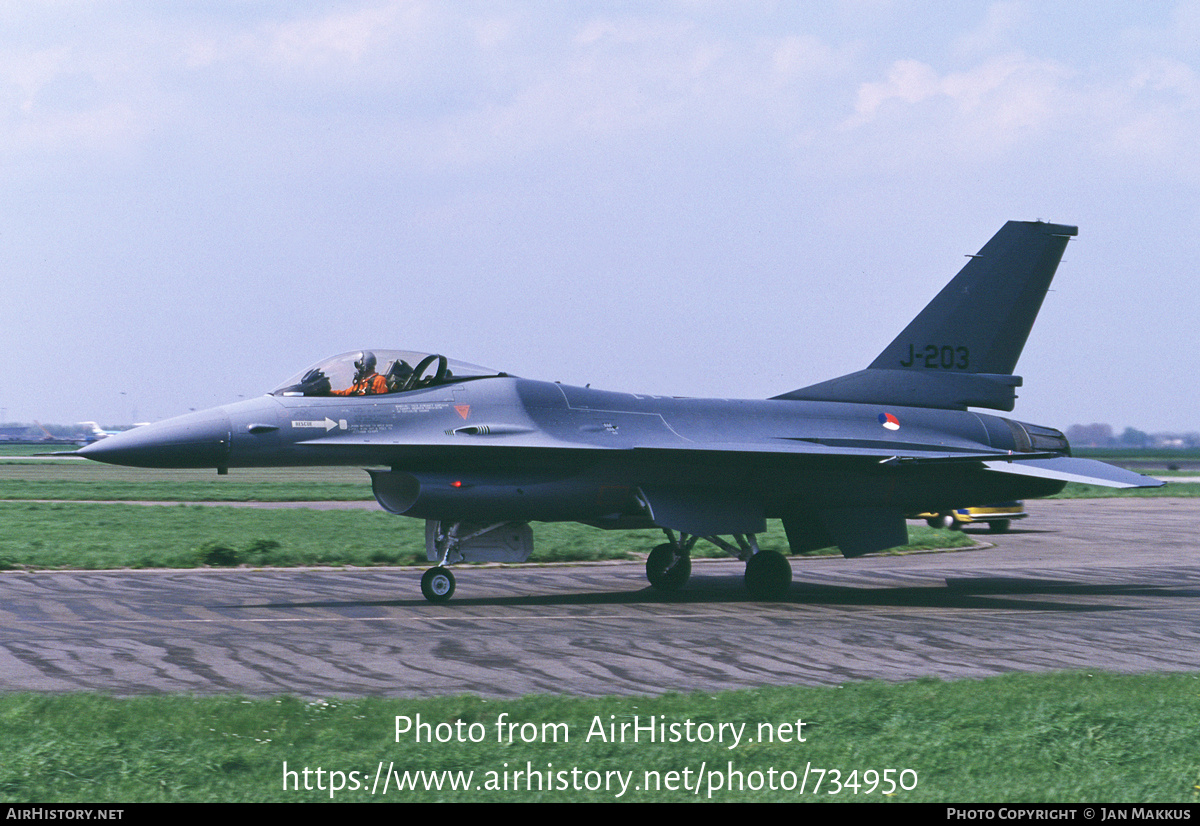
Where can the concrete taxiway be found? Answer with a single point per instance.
(1109, 584)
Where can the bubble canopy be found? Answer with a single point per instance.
(376, 372)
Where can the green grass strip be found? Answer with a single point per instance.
(80, 535)
(1076, 490)
(75, 479)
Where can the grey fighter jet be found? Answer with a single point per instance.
(479, 454)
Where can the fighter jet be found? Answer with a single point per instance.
(479, 454)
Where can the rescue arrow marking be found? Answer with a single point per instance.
(329, 424)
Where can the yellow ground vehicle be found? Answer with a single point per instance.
(997, 517)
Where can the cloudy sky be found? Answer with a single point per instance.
(699, 198)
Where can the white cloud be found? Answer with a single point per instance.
(621, 79)
(1016, 86)
(59, 99)
(1169, 76)
(803, 57)
(995, 33)
(1152, 118)
(331, 40)
(910, 81)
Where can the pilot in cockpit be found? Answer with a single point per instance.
(366, 381)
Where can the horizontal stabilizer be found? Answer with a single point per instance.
(1070, 469)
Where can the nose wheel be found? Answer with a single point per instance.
(438, 584)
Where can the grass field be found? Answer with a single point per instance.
(1074, 490)
(1078, 738)
(79, 479)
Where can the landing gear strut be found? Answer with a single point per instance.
(437, 584)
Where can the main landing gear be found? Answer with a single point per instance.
(768, 573)
(669, 565)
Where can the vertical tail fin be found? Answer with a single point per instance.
(961, 350)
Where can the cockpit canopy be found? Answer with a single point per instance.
(375, 372)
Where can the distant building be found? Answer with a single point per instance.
(31, 434)
(1090, 435)
(1101, 435)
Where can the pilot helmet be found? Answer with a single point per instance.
(365, 363)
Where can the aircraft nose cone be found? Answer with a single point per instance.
(197, 440)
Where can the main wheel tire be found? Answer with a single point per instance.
(667, 568)
(768, 575)
(999, 525)
(437, 584)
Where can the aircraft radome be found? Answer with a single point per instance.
(479, 453)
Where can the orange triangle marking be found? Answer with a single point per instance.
(464, 410)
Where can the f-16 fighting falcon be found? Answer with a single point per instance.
(480, 454)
